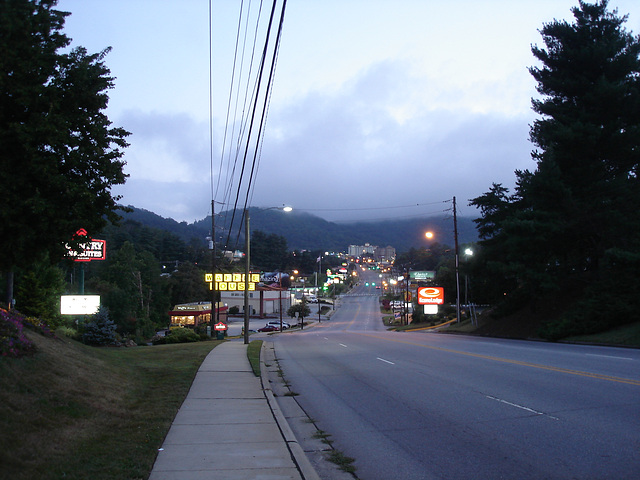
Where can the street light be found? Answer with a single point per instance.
(247, 265)
(468, 253)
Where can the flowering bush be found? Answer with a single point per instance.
(37, 325)
(13, 342)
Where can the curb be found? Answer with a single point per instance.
(300, 458)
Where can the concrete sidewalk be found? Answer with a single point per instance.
(226, 428)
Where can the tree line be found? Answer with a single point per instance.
(146, 272)
(571, 227)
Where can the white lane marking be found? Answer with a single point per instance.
(521, 407)
(342, 345)
(385, 361)
(607, 356)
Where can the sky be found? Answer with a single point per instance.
(379, 109)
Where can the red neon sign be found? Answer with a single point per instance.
(90, 250)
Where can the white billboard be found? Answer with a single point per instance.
(79, 304)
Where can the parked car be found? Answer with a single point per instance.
(269, 328)
(276, 323)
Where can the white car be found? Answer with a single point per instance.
(276, 323)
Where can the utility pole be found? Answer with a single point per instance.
(213, 266)
(455, 235)
(318, 285)
(247, 243)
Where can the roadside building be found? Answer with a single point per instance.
(265, 300)
(384, 254)
(196, 313)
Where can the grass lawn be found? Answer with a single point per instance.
(77, 412)
(253, 353)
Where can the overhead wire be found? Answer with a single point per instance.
(247, 132)
(265, 107)
(233, 74)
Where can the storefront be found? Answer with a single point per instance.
(197, 313)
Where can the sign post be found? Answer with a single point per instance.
(92, 249)
(221, 329)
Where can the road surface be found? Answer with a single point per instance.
(435, 406)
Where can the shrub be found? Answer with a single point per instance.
(178, 335)
(68, 332)
(234, 310)
(100, 330)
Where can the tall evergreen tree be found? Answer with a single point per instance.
(59, 154)
(580, 207)
(588, 136)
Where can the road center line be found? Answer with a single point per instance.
(385, 361)
(535, 412)
(342, 345)
(598, 376)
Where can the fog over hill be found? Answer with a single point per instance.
(306, 231)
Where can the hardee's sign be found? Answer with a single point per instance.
(430, 296)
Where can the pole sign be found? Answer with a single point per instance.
(92, 249)
(430, 296)
(233, 282)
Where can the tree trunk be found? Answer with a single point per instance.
(9, 297)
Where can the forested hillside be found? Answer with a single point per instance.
(304, 231)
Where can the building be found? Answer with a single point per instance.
(196, 313)
(384, 254)
(361, 250)
(379, 254)
(262, 302)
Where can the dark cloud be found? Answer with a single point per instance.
(348, 151)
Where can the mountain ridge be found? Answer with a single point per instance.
(305, 231)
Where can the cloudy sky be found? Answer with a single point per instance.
(379, 108)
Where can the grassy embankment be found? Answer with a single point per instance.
(626, 335)
(76, 412)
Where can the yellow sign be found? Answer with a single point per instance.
(232, 282)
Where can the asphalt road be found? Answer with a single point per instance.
(435, 406)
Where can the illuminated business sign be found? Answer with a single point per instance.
(430, 296)
(232, 282)
(422, 275)
(87, 251)
(79, 304)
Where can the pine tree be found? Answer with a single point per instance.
(588, 136)
(100, 330)
(577, 215)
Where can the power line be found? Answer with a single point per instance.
(370, 208)
(244, 133)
